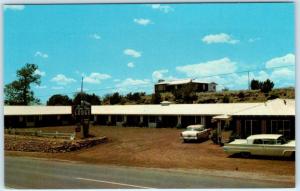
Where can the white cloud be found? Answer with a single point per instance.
(131, 85)
(39, 72)
(162, 8)
(159, 74)
(14, 7)
(57, 87)
(41, 54)
(251, 40)
(95, 36)
(133, 53)
(219, 38)
(221, 66)
(288, 59)
(79, 89)
(285, 74)
(143, 22)
(62, 79)
(40, 87)
(133, 82)
(96, 78)
(130, 65)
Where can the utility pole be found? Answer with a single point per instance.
(248, 81)
(81, 89)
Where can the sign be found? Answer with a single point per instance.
(82, 114)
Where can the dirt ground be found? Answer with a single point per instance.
(161, 148)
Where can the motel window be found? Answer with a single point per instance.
(120, 118)
(252, 127)
(40, 117)
(30, 118)
(152, 119)
(281, 126)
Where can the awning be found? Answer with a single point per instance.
(221, 117)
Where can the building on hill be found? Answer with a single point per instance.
(171, 86)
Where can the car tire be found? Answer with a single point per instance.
(245, 154)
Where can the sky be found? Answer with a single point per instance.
(128, 47)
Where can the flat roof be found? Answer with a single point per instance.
(277, 107)
(271, 108)
(172, 109)
(37, 110)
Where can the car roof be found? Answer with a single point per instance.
(264, 136)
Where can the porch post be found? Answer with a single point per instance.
(178, 120)
(141, 119)
(219, 131)
(203, 120)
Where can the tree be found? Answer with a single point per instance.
(18, 92)
(267, 86)
(59, 99)
(91, 98)
(226, 99)
(135, 96)
(115, 98)
(255, 84)
(156, 98)
(264, 87)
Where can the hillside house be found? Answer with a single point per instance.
(171, 86)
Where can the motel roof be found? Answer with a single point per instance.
(37, 110)
(277, 107)
(273, 108)
(172, 109)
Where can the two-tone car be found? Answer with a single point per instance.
(262, 144)
(195, 133)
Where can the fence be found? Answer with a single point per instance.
(40, 133)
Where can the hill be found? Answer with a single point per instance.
(217, 97)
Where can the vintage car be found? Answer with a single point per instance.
(262, 144)
(195, 133)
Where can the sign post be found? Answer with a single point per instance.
(82, 114)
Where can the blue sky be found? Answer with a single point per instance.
(128, 47)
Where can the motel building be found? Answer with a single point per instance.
(243, 119)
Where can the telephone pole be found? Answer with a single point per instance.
(248, 81)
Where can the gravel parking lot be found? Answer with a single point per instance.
(162, 148)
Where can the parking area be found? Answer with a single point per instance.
(161, 148)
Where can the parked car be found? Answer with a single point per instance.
(262, 144)
(195, 133)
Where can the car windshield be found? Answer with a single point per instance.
(194, 128)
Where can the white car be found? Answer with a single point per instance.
(195, 133)
(262, 144)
